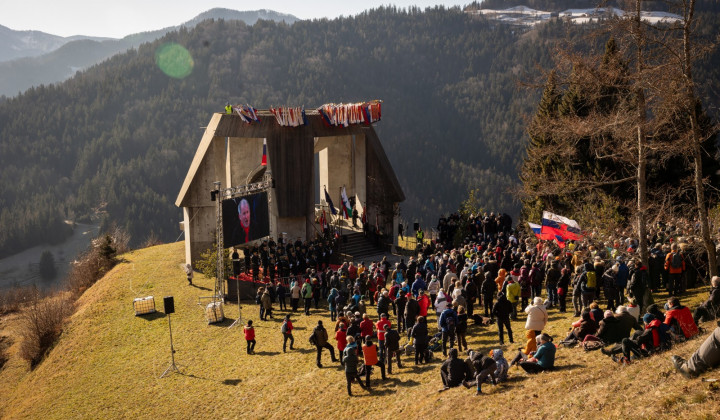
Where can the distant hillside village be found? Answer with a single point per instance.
(525, 16)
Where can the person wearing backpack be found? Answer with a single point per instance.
(638, 283)
(286, 330)
(675, 266)
(446, 324)
(587, 283)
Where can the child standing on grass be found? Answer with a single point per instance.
(189, 272)
(250, 337)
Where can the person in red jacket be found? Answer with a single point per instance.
(680, 315)
(424, 303)
(366, 327)
(341, 338)
(250, 337)
(380, 327)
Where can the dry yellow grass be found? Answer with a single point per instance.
(107, 363)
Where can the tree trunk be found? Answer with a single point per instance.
(696, 139)
(642, 158)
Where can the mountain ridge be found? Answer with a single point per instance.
(49, 64)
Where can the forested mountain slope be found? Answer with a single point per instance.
(120, 136)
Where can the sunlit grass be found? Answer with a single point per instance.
(108, 362)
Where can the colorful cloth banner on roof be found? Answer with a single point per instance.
(554, 224)
(247, 113)
(350, 114)
(290, 116)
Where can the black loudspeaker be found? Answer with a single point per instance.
(169, 304)
(416, 226)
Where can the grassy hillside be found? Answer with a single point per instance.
(107, 363)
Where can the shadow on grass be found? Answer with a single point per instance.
(567, 367)
(267, 353)
(233, 382)
(406, 383)
(224, 323)
(422, 368)
(153, 316)
(200, 287)
(303, 350)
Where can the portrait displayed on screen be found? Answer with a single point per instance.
(245, 219)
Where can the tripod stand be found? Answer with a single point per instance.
(237, 321)
(172, 353)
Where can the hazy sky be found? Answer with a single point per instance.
(123, 17)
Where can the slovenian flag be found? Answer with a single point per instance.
(565, 228)
(333, 210)
(347, 210)
(263, 162)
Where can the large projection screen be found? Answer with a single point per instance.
(245, 219)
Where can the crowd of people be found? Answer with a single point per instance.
(496, 276)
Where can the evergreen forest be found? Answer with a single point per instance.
(113, 144)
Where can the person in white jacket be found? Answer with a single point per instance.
(441, 302)
(537, 316)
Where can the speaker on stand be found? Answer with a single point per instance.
(169, 304)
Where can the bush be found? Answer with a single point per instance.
(100, 257)
(40, 324)
(11, 300)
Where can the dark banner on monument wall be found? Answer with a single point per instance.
(245, 219)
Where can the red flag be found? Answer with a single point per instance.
(263, 162)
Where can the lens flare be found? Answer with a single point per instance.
(174, 60)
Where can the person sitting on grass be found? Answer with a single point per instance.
(680, 318)
(502, 367)
(350, 361)
(711, 307)
(651, 339)
(544, 357)
(454, 372)
(706, 357)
